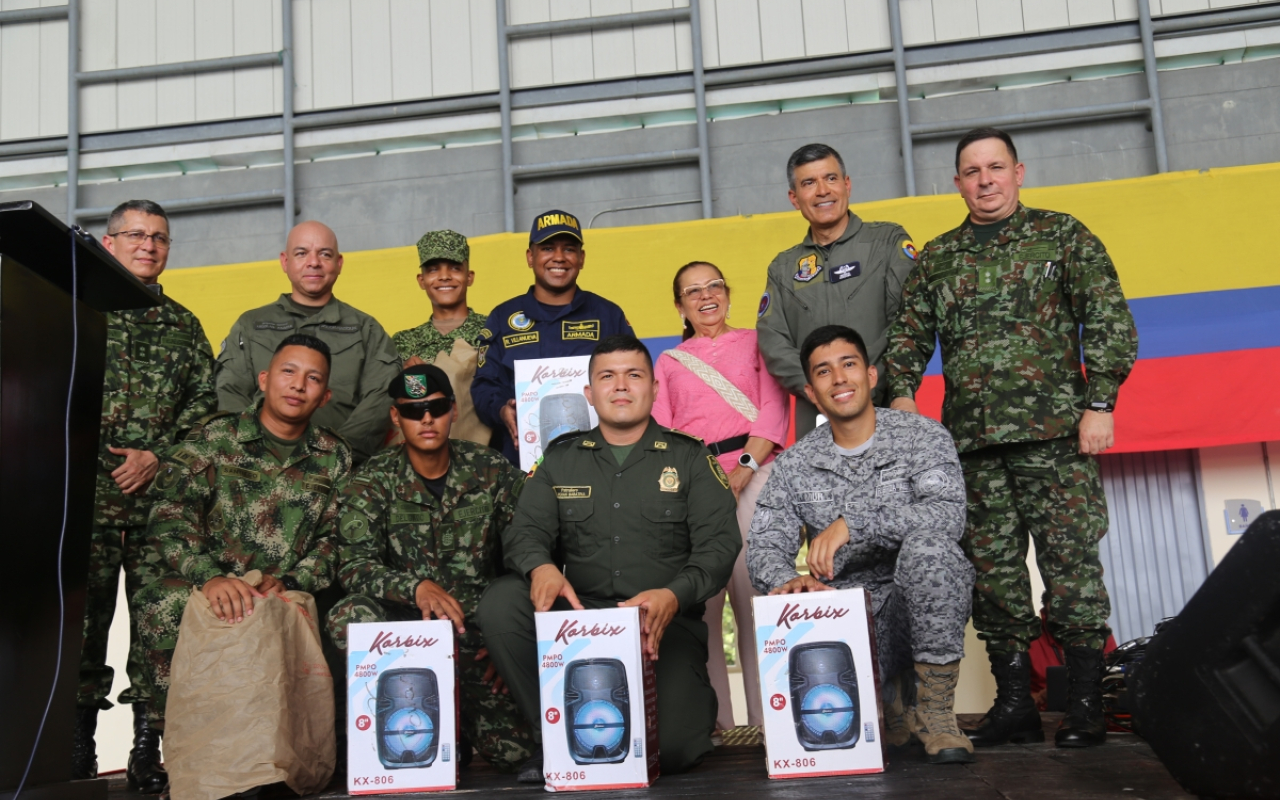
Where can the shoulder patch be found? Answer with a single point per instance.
(718, 471)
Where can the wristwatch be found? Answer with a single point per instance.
(746, 460)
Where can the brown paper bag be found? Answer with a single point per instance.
(460, 365)
(250, 704)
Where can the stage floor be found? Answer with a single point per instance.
(1124, 767)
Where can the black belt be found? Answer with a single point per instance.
(728, 445)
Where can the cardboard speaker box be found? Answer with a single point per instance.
(819, 683)
(599, 701)
(402, 707)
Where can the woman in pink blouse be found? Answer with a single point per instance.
(743, 447)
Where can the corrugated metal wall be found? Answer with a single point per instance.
(1156, 552)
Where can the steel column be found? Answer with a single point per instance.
(700, 106)
(504, 104)
(286, 120)
(1153, 83)
(904, 112)
(73, 110)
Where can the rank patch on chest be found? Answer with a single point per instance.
(669, 481)
(516, 339)
(851, 270)
(807, 269)
(583, 329)
(572, 492)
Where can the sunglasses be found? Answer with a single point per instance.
(437, 408)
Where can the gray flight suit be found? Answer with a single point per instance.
(664, 519)
(364, 363)
(903, 500)
(855, 281)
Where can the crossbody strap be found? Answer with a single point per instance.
(719, 384)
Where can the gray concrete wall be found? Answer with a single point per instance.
(1215, 117)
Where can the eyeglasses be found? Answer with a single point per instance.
(437, 408)
(711, 287)
(136, 238)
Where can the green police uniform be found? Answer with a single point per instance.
(158, 383)
(1014, 314)
(364, 362)
(225, 504)
(393, 534)
(664, 518)
(856, 281)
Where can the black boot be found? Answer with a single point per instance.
(531, 770)
(1013, 717)
(145, 773)
(1084, 724)
(84, 753)
(465, 751)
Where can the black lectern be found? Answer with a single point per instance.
(53, 281)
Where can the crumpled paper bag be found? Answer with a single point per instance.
(250, 704)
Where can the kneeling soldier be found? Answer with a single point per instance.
(420, 536)
(244, 491)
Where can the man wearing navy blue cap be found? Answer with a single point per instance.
(552, 320)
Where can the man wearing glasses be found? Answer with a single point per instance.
(158, 383)
(845, 272)
(420, 536)
(364, 359)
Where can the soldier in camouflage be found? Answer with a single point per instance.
(420, 536)
(158, 382)
(882, 498)
(255, 490)
(1016, 295)
(452, 338)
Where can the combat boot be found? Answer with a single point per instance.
(531, 770)
(898, 703)
(145, 773)
(936, 716)
(1084, 725)
(84, 751)
(1013, 717)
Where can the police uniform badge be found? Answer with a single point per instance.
(670, 480)
(808, 269)
(414, 386)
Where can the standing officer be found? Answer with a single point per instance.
(420, 536)
(253, 490)
(845, 272)
(553, 319)
(881, 496)
(656, 528)
(1016, 294)
(364, 360)
(451, 338)
(159, 381)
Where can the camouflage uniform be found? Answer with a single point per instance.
(225, 505)
(903, 501)
(426, 342)
(394, 534)
(458, 361)
(158, 382)
(1013, 316)
(855, 280)
(364, 362)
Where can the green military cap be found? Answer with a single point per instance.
(447, 245)
(418, 381)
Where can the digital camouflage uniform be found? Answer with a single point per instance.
(1013, 316)
(394, 534)
(903, 502)
(664, 518)
(458, 353)
(225, 505)
(855, 280)
(364, 362)
(158, 382)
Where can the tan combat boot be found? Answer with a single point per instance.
(898, 710)
(935, 717)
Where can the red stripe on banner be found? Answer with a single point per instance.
(1182, 402)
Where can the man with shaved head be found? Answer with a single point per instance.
(364, 359)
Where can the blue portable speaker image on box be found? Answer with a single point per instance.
(559, 414)
(598, 709)
(824, 691)
(408, 704)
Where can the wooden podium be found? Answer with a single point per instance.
(50, 407)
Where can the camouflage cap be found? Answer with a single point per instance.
(418, 381)
(447, 245)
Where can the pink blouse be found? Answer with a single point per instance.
(685, 402)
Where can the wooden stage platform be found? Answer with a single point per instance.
(1124, 768)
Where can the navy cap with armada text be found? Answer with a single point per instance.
(554, 223)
